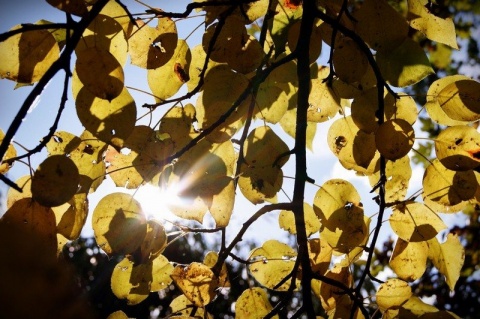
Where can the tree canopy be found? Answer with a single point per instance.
(227, 116)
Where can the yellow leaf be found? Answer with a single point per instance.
(286, 220)
(119, 224)
(136, 163)
(398, 175)
(315, 39)
(117, 315)
(154, 242)
(55, 181)
(409, 259)
(447, 257)
(111, 121)
(323, 102)
(380, 25)
(320, 254)
(415, 222)
(393, 293)
(264, 155)
(458, 148)
(337, 204)
(166, 80)
(197, 282)
(183, 308)
(354, 148)
(349, 61)
(162, 270)
(10, 153)
(151, 48)
(105, 33)
(210, 260)
(445, 190)
(253, 303)
(100, 73)
(28, 55)
(130, 281)
(330, 295)
(459, 100)
(394, 138)
(433, 107)
(271, 263)
(434, 28)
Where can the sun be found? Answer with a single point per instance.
(155, 201)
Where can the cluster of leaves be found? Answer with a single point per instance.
(247, 88)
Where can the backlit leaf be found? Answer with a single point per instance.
(154, 242)
(323, 102)
(447, 257)
(137, 162)
(286, 220)
(393, 293)
(117, 315)
(398, 175)
(100, 73)
(73, 216)
(354, 148)
(270, 264)
(337, 205)
(409, 259)
(210, 260)
(407, 64)
(10, 153)
(458, 148)
(433, 106)
(197, 282)
(150, 47)
(280, 24)
(111, 121)
(414, 222)
(365, 106)
(55, 181)
(434, 28)
(76, 7)
(459, 100)
(105, 33)
(349, 61)
(394, 139)
(320, 254)
(329, 295)
(130, 281)
(222, 88)
(264, 155)
(445, 190)
(289, 123)
(196, 66)
(253, 303)
(183, 308)
(177, 124)
(166, 80)
(380, 25)
(27, 56)
(119, 224)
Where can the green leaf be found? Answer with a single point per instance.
(405, 65)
